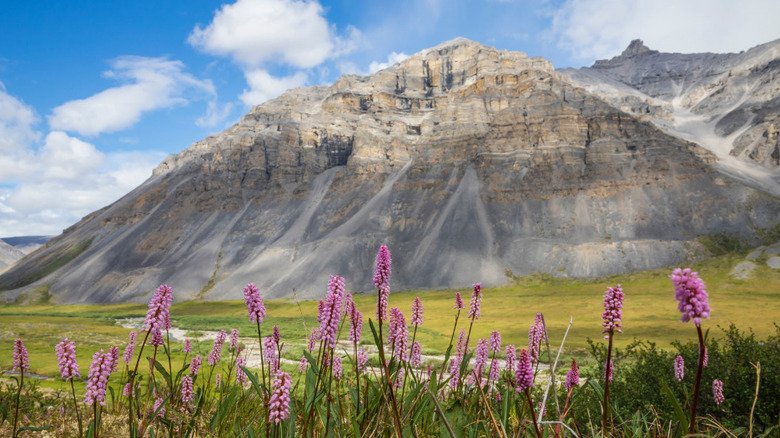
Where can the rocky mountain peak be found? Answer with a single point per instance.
(637, 48)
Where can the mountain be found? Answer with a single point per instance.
(471, 163)
(727, 103)
(26, 244)
(8, 255)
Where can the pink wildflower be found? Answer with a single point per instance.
(476, 300)
(462, 348)
(573, 376)
(337, 370)
(66, 357)
(689, 291)
(186, 389)
(535, 337)
(240, 374)
(276, 335)
(613, 313)
(195, 365)
(187, 346)
(417, 312)
(348, 305)
(706, 357)
(218, 380)
(481, 355)
(511, 358)
(382, 281)
(313, 336)
(609, 371)
(495, 369)
(399, 380)
(331, 311)
(158, 404)
(21, 362)
(679, 368)
(459, 302)
(398, 335)
(216, 350)
(157, 338)
(97, 382)
(303, 364)
(415, 358)
(454, 372)
(717, 391)
(362, 359)
(254, 304)
(130, 348)
(495, 341)
(356, 325)
(113, 355)
(269, 351)
(158, 317)
(279, 405)
(233, 339)
(524, 376)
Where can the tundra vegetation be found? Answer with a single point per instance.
(458, 365)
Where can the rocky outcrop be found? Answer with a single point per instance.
(726, 103)
(472, 164)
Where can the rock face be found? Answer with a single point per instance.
(726, 103)
(472, 164)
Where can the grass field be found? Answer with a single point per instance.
(650, 313)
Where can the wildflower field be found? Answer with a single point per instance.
(472, 362)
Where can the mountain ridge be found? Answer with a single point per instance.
(471, 163)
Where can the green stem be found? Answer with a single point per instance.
(18, 396)
(605, 417)
(76, 406)
(695, 402)
(132, 388)
(533, 414)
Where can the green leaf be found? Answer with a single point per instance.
(681, 417)
(164, 373)
(5, 414)
(255, 384)
(32, 429)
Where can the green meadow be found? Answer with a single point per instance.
(650, 313)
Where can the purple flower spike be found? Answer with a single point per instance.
(158, 317)
(609, 371)
(356, 325)
(398, 335)
(128, 356)
(524, 375)
(511, 358)
(362, 359)
(417, 312)
(613, 313)
(279, 405)
(415, 358)
(254, 304)
(706, 357)
(216, 350)
(495, 369)
(337, 370)
(717, 391)
(459, 302)
(157, 404)
(157, 338)
(276, 335)
(573, 376)
(240, 374)
(495, 341)
(234, 339)
(113, 354)
(21, 362)
(187, 346)
(382, 281)
(97, 382)
(313, 336)
(195, 365)
(218, 380)
(269, 350)
(66, 357)
(331, 311)
(476, 300)
(535, 337)
(481, 355)
(693, 299)
(679, 368)
(186, 389)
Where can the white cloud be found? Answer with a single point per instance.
(255, 31)
(147, 84)
(216, 114)
(392, 58)
(597, 29)
(263, 86)
(16, 123)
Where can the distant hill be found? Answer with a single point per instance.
(8, 255)
(27, 244)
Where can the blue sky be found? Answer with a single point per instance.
(94, 94)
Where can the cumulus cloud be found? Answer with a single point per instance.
(392, 58)
(263, 86)
(16, 123)
(597, 29)
(147, 84)
(216, 114)
(46, 186)
(255, 31)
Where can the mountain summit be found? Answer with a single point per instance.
(470, 163)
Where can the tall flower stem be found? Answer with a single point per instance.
(608, 364)
(396, 417)
(533, 414)
(76, 406)
(452, 337)
(262, 361)
(695, 403)
(132, 388)
(18, 396)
